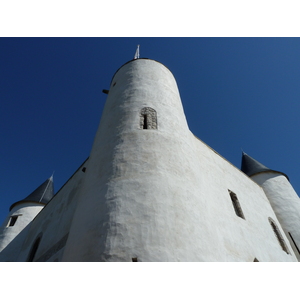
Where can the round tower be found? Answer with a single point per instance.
(133, 205)
(21, 214)
(283, 198)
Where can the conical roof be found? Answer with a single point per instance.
(251, 166)
(42, 194)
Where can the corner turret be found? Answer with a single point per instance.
(283, 198)
(250, 166)
(21, 214)
(42, 194)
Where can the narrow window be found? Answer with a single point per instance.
(148, 118)
(278, 236)
(145, 125)
(134, 259)
(236, 204)
(34, 249)
(12, 221)
(294, 243)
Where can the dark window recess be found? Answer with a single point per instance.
(255, 260)
(114, 84)
(294, 242)
(134, 259)
(278, 236)
(12, 221)
(34, 249)
(145, 125)
(148, 118)
(105, 91)
(236, 204)
(83, 169)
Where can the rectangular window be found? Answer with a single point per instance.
(12, 221)
(145, 125)
(236, 204)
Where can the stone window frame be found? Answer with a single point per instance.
(236, 204)
(148, 118)
(278, 235)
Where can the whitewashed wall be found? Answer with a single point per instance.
(152, 194)
(285, 203)
(53, 223)
(161, 194)
(26, 212)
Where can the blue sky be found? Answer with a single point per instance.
(237, 93)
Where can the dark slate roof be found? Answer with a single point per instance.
(42, 194)
(250, 166)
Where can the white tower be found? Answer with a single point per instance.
(154, 192)
(21, 214)
(282, 196)
(134, 174)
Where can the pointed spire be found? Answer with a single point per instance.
(42, 194)
(250, 166)
(137, 52)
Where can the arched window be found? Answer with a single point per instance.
(148, 119)
(34, 248)
(279, 236)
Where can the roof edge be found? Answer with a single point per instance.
(270, 171)
(135, 59)
(25, 201)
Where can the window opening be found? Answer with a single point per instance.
(148, 118)
(34, 249)
(255, 260)
(279, 236)
(134, 259)
(145, 122)
(12, 221)
(294, 242)
(236, 205)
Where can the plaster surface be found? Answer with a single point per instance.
(285, 203)
(162, 195)
(155, 193)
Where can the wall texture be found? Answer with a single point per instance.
(160, 194)
(285, 203)
(152, 191)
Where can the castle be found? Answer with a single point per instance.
(152, 191)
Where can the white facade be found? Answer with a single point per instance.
(285, 203)
(15, 226)
(152, 191)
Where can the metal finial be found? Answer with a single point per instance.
(137, 52)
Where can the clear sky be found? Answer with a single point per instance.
(237, 93)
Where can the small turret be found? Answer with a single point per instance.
(250, 166)
(42, 194)
(21, 214)
(283, 198)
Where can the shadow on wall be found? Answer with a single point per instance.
(12, 251)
